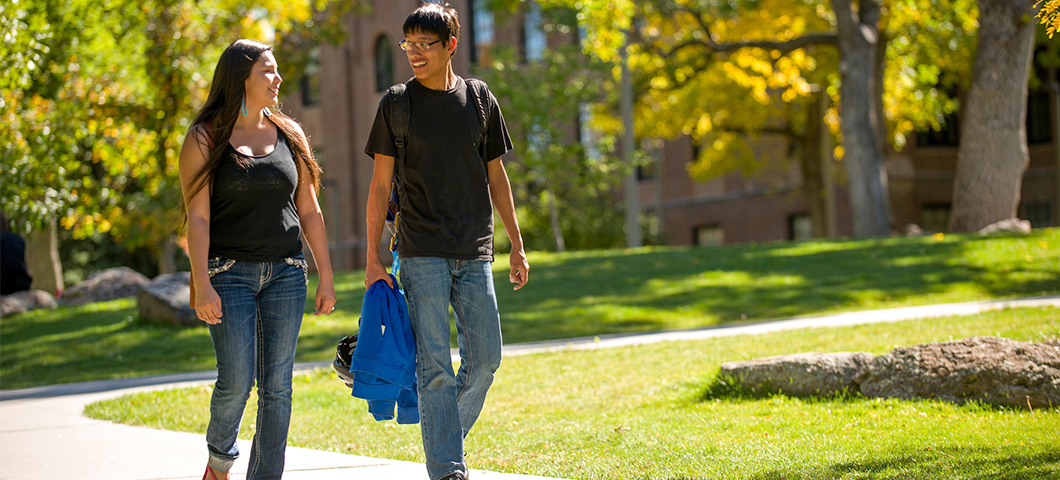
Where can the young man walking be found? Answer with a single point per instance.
(445, 229)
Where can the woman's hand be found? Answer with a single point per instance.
(325, 299)
(207, 304)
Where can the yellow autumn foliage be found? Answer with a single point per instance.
(1049, 15)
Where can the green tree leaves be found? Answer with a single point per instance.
(98, 94)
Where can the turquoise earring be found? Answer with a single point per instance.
(266, 111)
(244, 105)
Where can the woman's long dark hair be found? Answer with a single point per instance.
(214, 123)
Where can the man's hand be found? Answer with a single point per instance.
(375, 272)
(520, 269)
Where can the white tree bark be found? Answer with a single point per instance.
(993, 152)
(857, 35)
(42, 260)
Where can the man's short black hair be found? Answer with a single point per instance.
(432, 18)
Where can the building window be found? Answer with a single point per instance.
(481, 33)
(712, 236)
(946, 136)
(649, 170)
(538, 138)
(311, 79)
(800, 227)
(586, 135)
(935, 218)
(1039, 128)
(646, 171)
(384, 64)
(534, 39)
(1040, 214)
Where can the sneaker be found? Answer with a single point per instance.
(454, 476)
(344, 359)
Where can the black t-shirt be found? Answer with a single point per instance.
(445, 202)
(253, 217)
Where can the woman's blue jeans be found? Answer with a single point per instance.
(450, 404)
(261, 312)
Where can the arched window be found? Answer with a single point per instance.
(384, 64)
(534, 39)
(311, 79)
(481, 33)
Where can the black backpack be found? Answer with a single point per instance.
(399, 113)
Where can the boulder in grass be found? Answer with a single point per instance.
(996, 371)
(799, 375)
(106, 285)
(1013, 225)
(165, 300)
(24, 301)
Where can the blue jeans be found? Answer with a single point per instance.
(261, 312)
(450, 404)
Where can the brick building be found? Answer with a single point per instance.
(338, 99)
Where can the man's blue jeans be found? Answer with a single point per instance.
(449, 405)
(261, 312)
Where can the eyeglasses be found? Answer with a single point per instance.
(407, 45)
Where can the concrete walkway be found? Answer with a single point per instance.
(43, 434)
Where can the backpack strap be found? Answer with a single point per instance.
(399, 112)
(480, 95)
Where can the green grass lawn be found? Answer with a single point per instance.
(582, 294)
(647, 412)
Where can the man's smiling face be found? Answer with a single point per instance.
(428, 56)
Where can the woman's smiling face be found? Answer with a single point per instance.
(263, 84)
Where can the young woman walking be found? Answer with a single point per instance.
(250, 181)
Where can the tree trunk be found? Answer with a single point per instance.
(167, 252)
(42, 260)
(557, 228)
(812, 175)
(857, 34)
(993, 152)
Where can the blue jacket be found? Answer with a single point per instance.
(384, 361)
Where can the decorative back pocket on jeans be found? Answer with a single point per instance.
(218, 265)
(299, 262)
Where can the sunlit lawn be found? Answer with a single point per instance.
(583, 294)
(645, 412)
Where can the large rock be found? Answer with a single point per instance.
(165, 300)
(799, 375)
(106, 285)
(1013, 225)
(19, 302)
(997, 371)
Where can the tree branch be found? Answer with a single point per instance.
(844, 14)
(785, 130)
(702, 23)
(786, 47)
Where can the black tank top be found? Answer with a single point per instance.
(252, 211)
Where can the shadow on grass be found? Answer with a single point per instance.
(724, 387)
(574, 297)
(95, 341)
(946, 463)
(941, 463)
